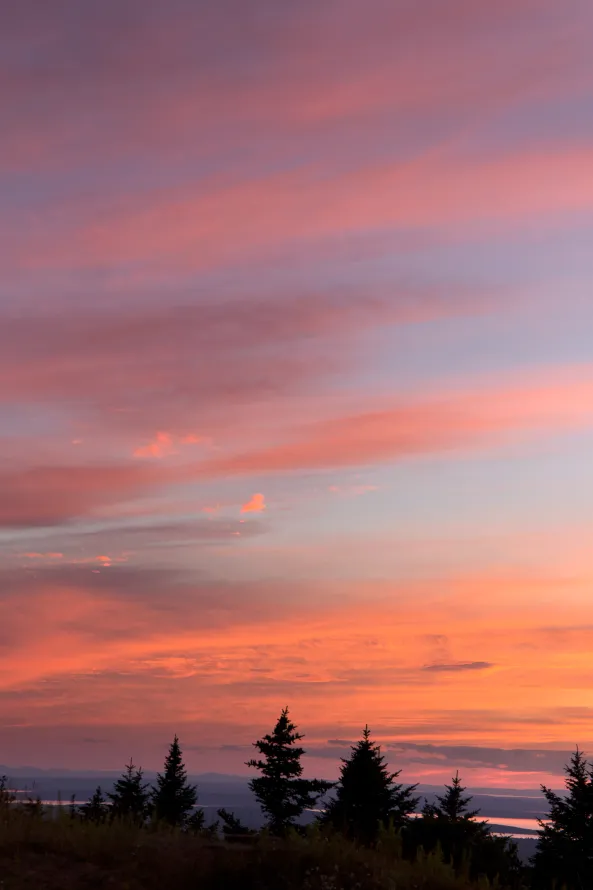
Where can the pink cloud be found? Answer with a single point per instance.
(49, 495)
(201, 357)
(162, 446)
(294, 88)
(448, 422)
(256, 504)
(215, 224)
(192, 439)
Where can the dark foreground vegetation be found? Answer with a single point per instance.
(368, 835)
(62, 855)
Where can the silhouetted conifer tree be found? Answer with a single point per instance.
(130, 796)
(367, 795)
(33, 807)
(564, 856)
(174, 798)
(449, 825)
(95, 809)
(452, 805)
(6, 795)
(280, 790)
(231, 826)
(196, 821)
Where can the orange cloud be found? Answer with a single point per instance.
(192, 439)
(42, 555)
(357, 648)
(164, 445)
(257, 504)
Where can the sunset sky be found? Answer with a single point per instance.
(296, 381)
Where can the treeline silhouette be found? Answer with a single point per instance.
(367, 807)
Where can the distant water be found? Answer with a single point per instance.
(512, 822)
(523, 826)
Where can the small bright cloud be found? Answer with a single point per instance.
(103, 559)
(161, 446)
(257, 504)
(165, 444)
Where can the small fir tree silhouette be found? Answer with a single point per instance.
(196, 822)
(174, 798)
(280, 790)
(564, 854)
(231, 826)
(130, 796)
(33, 807)
(6, 795)
(95, 809)
(449, 826)
(452, 806)
(367, 795)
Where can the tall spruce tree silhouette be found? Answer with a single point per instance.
(174, 799)
(280, 790)
(564, 855)
(367, 796)
(130, 796)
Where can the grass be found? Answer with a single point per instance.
(63, 854)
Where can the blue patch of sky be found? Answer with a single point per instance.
(533, 481)
(33, 419)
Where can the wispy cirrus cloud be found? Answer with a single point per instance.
(160, 365)
(176, 230)
(448, 422)
(266, 83)
(45, 496)
(454, 666)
